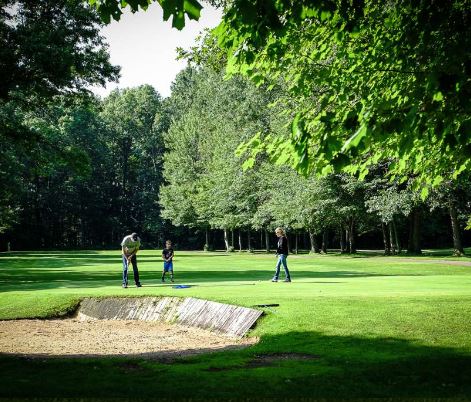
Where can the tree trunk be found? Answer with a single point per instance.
(39, 233)
(414, 232)
(125, 148)
(249, 241)
(267, 242)
(343, 246)
(457, 245)
(351, 239)
(391, 239)
(324, 242)
(226, 240)
(207, 239)
(232, 238)
(240, 241)
(313, 241)
(386, 241)
(396, 237)
(296, 237)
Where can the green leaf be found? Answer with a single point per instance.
(457, 172)
(438, 96)
(192, 9)
(178, 20)
(363, 173)
(355, 139)
(308, 12)
(297, 129)
(437, 181)
(424, 193)
(325, 15)
(248, 164)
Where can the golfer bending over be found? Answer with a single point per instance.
(282, 253)
(129, 248)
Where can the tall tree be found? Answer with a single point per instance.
(51, 47)
(135, 143)
(452, 197)
(46, 49)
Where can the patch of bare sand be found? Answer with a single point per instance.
(85, 338)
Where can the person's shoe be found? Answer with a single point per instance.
(163, 280)
(124, 285)
(287, 280)
(138, 285)
(274, 280)
(171, 280)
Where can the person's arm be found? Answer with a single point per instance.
(133, 253)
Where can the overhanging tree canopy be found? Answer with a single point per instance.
(372, 81)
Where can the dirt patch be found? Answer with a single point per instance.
(91, 338)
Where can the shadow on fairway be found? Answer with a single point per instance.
(340, 367)
(43, 277)
(36, 271)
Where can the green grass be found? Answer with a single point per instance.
(380, 327)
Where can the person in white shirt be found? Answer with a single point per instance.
(129, 248)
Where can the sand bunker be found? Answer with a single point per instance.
(75, 337)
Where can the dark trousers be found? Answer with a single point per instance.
(134, 269)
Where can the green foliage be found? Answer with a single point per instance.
(51, 47)
(172, 8)
(103, 158)
(206, 185)
(370, 81)
(388, 201)
(134, 121)
(47, 50)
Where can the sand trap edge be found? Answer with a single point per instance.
(221, 318)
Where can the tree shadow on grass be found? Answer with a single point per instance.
(341, 367)
(39, 278)
(39, 271)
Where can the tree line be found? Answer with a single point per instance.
(209, 186)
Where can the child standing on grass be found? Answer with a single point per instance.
(167, 255)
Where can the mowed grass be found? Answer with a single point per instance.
(377, 326)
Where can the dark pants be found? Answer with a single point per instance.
(134, 268)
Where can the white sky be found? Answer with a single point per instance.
(144, 45)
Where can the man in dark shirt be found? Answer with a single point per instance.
(167, 255)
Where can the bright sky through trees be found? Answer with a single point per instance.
(145, 47)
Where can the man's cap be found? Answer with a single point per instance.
(134, 236)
